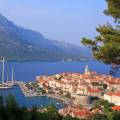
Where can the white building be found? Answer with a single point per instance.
(113, 97)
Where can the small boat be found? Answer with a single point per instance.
(5, 87)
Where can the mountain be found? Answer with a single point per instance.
(17, 43)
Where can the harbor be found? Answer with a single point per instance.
(26, 89)
(6, 84)
(29, 101)
(28, 92)
(23, 76)
(31, 93)
(21, 90)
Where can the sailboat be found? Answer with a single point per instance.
(11, 82)
(3, 84)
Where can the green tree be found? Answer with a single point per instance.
(113, 8)
(11, 101)
(116, 115)
(97, 117)
(105, 86)
(12, 111)
(43, 91)
(52, 113)
(106, 46)
(68, 95)
(2, 109)
(34, 113)
(107, 106)
(68, 117)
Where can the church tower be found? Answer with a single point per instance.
(87, 71)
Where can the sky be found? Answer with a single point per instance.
(63, 20)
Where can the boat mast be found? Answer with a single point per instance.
(7, 76)
(3, 69)
(12, 75)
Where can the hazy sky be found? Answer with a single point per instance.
(65, 20)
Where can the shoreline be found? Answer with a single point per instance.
(29, 93)
(87, 60)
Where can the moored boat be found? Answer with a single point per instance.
(7, 84)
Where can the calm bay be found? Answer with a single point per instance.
(27, 71)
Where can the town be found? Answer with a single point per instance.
(80, 92)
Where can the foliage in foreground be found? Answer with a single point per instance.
(109, 114)
(10, 110)
(106, 46)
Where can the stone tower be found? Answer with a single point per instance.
(87, 71)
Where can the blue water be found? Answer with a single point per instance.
(29, 102)
(26, 71)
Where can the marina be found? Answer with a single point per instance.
(6, 84)
(27, 92)
(30, 93)
(30, 101)
(23, 73)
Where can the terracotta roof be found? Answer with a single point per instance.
(110, 93)
(82, 113)
(114, 93)
(111, 82)
(94, 90)
(117, 94)
(116, 108)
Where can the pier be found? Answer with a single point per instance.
(28, 92)
(31, 93)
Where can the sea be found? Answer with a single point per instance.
(27, 71)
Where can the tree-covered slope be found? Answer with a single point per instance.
(17, 43)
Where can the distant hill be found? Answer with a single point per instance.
(17, 43)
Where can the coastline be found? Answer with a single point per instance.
(86, 60)
(28, 94)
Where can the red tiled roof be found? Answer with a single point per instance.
(94, 90)
(110, 93)
(82, 113)
(114, 93)
(111, 82)
(116, 108)
(93, 72)
(117, 94)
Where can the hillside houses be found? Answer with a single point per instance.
(88, 83)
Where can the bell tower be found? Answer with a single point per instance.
(87, 71)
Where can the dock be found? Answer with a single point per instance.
(28, 92)
(9, 84)
(31, 93)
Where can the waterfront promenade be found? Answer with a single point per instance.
(62, 99)
(30, 93)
